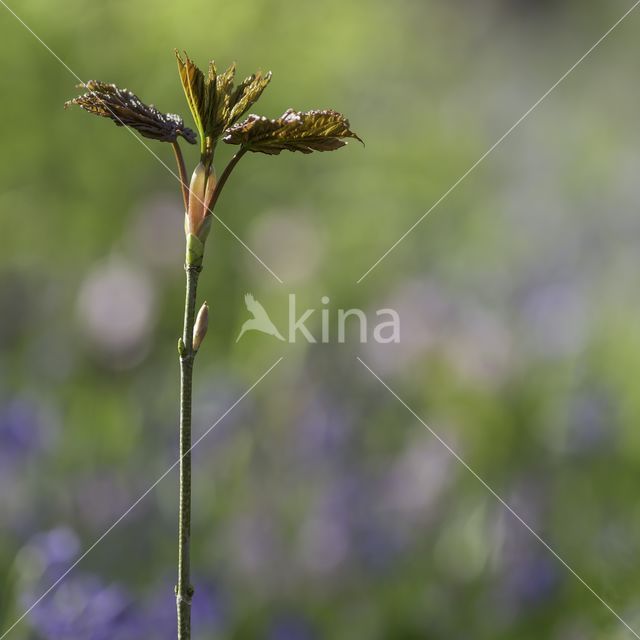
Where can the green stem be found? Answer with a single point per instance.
(184, 589)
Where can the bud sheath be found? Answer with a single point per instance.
(200, 327)
(196, 210)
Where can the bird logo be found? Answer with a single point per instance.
(260, 321)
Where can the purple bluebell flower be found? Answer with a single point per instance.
(532, 580)
(325, 427)
(21, 431)
(290, 627)
(592, 414)
(83, 607)
(207, 612)
(86, 607)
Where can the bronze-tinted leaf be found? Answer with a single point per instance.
(246, 94)
(214, 101)
(126, 109)
(194, 85)
(223, 89)
(305, 131)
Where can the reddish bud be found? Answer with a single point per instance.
(203, 182)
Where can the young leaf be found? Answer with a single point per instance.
(246, 95)
(195, 90)
(305, 131)
(126, 109)
(214, 101)
(220, 89)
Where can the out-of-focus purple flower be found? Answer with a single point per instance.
(102, 497)
(85, 607)
(82, 607)
(591, 416)
(324, 429)
(469, 335)
(347, 523)
(207, 609)
(326, 535)
(290, 627)
(25, 436)
(207, 612)
(378, 545)
(530, 576)
(54, 548)
(21, 430)
(555, 318)
(324, 544)
(532, 580)
(424, 310)
(416, 479)
(255, 547)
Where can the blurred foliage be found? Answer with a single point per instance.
(323, 508)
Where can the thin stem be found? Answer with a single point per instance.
(184, 589)
(224, 176)
(182, 171)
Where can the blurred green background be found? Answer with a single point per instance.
(322, 507)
